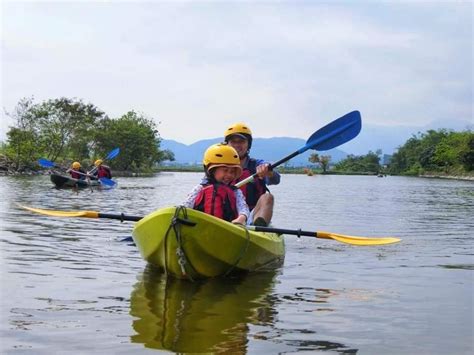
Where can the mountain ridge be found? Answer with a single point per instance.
(371, 138)
(269, 149)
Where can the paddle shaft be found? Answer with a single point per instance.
(272, 166)
(122, 217)
(283, 231)
(330, 136)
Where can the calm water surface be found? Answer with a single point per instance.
(72, 286)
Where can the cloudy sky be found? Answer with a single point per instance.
(286, 68)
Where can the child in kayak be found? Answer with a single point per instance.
(76, 171)
(215, 195)
(101, 170)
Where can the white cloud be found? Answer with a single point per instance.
(286, 68)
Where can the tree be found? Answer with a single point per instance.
(322, 160)
(70, 129)
(314, 158)
(467, 156)
(23, 146)
(67, 126)
(369, 163)
(440, 150)
(138, 139)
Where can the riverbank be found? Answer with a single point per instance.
(8, 168)
(447, 176)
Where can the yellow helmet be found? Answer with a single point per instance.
(76, 165)
(221, 155)
(98, 162)
(239, 129)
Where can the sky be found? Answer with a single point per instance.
(285, 68)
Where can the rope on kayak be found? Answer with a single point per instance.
(242, 251)
(175, 224)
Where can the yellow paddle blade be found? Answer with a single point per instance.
(86, 214)
(348, 239)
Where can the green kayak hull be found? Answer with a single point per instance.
(186, 243)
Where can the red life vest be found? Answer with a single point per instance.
(76, 174)
(253, 190)
(217, 200)
(104, 171)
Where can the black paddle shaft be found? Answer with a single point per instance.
(297, 232)
(121, 217)
(284, 160)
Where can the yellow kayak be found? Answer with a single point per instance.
(186, 243)
(210, 316)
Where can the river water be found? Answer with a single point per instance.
(73, 286)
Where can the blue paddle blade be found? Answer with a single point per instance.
(113, 154)
(335, 133)
(45, 163)
(107, 182)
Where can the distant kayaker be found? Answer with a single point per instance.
(76, 171)
(215, 194)
(258, 197)
(101, 170)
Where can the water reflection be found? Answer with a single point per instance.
(66, 281)
(206, 316)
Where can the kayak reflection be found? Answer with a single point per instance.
(206, 316)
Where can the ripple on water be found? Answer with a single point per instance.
(66, 281)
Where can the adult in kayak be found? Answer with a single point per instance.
(215, 194)
(258, 197)
(76, 171)
(101, 170)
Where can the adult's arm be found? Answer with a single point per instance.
(270, 180)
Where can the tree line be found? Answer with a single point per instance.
(435, 151)
(65, 130)
(362, 164)
(441, 150)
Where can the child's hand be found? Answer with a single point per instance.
(242, 219)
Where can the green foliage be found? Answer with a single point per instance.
(138, 139)
(467, 155)
(67, 126)
(322, 160)
(369, 163)
(435, 151)
(21, 149)
(23, 144)
(67, 129)
(314, 158)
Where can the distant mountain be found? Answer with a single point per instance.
(371, 138)
(270, 149)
